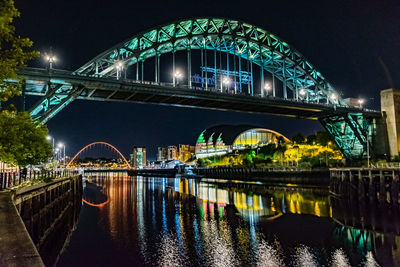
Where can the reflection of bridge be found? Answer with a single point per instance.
(235, 60)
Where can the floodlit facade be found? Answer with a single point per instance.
(139, 157)
(172, 153)
(162, 154)
(222, 139)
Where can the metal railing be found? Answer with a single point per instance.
(10, 179)
(385, 165)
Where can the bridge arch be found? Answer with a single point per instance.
(99, 143)
(249, 42)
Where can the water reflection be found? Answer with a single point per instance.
(181, 222)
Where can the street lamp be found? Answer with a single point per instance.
(302, 92)
(226, 80)
(177, 76)
(360, 102)
(56, 153)
(50, 58)
(61, 145)
(119, 65)
(267, 87)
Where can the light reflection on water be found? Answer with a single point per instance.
(181, 222)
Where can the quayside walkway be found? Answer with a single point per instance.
(30, 214)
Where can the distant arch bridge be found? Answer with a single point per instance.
(212, 63)
(96, 144)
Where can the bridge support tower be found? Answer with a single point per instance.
(390, 106)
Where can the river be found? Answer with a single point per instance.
(141, 221)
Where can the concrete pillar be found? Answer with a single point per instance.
(390, 107)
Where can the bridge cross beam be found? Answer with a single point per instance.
(54, 101)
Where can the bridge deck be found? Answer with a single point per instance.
(109, 89)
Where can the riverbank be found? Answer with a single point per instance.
(16, 246)
(31, 215)
(285, 175)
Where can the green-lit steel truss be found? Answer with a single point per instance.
(352, 133)
(237, 38)
(240, 40)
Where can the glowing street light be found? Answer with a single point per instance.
(50, 58)
(119, 65)
(177, 76)
(360, 102)
(302, 92)
(267, 86)
(61, 145)
(226, 80)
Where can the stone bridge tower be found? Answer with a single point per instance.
(390, 106)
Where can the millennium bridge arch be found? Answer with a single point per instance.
(243, 68)
(96, 144)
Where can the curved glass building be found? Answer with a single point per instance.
(222, 139)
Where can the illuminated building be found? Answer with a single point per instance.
(162, 154)
(138, 157)
(222, 139)
(185, 152)
(172, 153)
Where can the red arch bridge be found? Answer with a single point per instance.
(212, 63)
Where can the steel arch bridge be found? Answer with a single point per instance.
(243, 68)
(98, 143)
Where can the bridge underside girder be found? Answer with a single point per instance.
(59, 88)
(352, 133)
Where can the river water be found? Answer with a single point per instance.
(141, 221)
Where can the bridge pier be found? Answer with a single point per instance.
(390, 106)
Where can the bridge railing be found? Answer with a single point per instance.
(10, 179)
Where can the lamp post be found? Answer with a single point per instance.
(303, 93)
(360, 102)
(226, 81)
(119, 66)
(267, 88)
(50, 58)
(177, 76)
(62, 146)
(56, 151)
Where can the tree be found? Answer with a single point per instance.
(22, 140)
(323, 138)
(311, 139)
(298, 138)
(14, 50)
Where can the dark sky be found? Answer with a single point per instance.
(355, 45)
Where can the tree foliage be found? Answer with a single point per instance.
(14, 50)
(22, 140)
(311, 139)
(298, 138)
(323, 138)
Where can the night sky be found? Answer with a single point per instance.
(355, 45)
